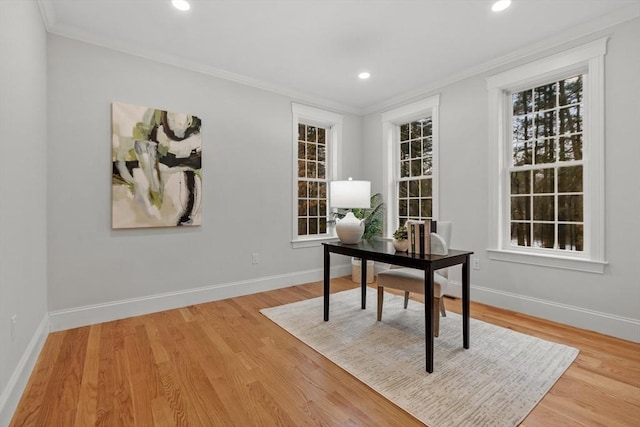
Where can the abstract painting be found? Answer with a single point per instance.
(157, 158)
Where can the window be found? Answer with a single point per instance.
(410, 144)
(414, 182)
(546, 191)
(547, 150)
(312, 180)
(315, 136)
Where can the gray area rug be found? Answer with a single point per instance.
(496, 382)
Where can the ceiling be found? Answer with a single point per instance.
(314, 49)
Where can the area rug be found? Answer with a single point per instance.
(496, 382)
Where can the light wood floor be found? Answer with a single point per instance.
(224, 364)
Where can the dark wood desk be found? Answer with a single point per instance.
(383, 251)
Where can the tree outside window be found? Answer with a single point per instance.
(414, 184)
(546, 175)
(312, 180)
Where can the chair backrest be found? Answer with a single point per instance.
(444, 230)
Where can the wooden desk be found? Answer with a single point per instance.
(383, 251)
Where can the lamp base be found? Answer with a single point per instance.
(350, 229)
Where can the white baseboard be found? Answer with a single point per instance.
(98, 313)
(12, 393)
(604, 323)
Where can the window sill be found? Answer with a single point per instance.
(312, 242)
(566, 263)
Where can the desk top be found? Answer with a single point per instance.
(383, 251)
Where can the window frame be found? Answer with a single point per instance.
(588, 60)
(391, 121)
(332, 122)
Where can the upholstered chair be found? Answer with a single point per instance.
(412, 280)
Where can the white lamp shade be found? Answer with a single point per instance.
(350, 194)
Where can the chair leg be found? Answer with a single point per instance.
(436, 317)
(438, 309)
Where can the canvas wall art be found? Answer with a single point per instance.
(157, 158)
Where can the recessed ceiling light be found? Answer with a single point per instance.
(181, 4)
(364, 75)
(500, 5)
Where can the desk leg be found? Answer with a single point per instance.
(327, 280)
(363, 282)
(466, 290)
(428, 316)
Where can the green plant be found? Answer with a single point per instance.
(400, 233)
(373, 217)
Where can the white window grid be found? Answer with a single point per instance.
(586, 59)
(533, 139)
(312, 180)
(414, 170)
(391, 122)
(332, 123)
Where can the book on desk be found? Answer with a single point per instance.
(419, 235)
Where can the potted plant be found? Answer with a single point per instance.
(372, 216)
(400, 242)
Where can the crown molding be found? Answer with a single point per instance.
(48, 14)
(195, 66)
(566, 38)
(62, 30)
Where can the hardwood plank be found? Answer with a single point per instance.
(178, 409)
(162, 413)
(141, 395)
(148, 360)
(34, 396)
(223, 363)
(88, 397)
(62, 391)
(185, 378)
(105, 408)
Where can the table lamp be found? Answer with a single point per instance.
(350, 194)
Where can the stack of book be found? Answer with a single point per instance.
(419, 236)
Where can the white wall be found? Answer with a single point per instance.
(609, 302)
(58, 253)
(23, 195)
(247, 206)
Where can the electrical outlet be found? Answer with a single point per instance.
(255, 258)
(14, 320)
(475, 262)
